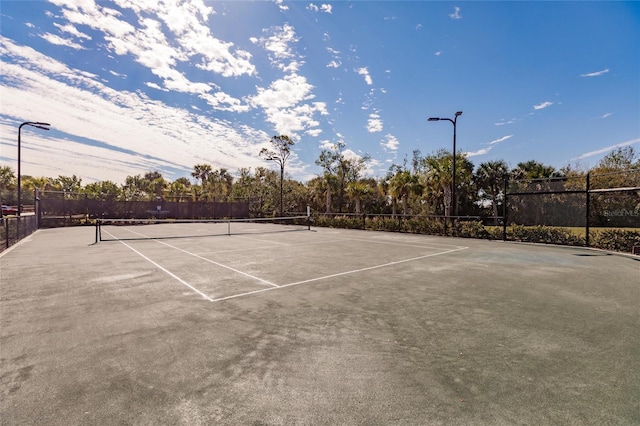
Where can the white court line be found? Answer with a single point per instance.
(244, 249)
(339, 274)
(164, 270)
(207, 260)
(422, 245)
(219, 264)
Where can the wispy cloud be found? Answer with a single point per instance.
(606, 115)
(55, 39)
(543, 105)
(502, 139)
(490, 146)
(504, 123)
(596, 73)
(607, 149)
(456, 13)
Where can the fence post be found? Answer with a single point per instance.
(504, 211)
(588, 208)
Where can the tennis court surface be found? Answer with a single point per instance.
(320, 326)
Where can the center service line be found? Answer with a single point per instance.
(165, 270)
(208, 260)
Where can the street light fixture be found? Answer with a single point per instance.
(453, 184)
(39, 125)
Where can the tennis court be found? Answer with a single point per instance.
(277, 324)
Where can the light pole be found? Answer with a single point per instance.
(453, 184)
(39, 125)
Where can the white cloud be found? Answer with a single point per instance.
(502, 139)
(606, 115)
(595, 74)
(504, 123)
(188, 39)
(54, 39)
(390, 143)
(70, 29)
(281, 5)
(326, 8)
(123, 133)
(456, 13)
(155, 86)
(365, 72)
(438, 53)
(482, 151)
(607, 149)
(374, 124)
(543, 105)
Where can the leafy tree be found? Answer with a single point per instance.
(279, 154)
(134, 188)
(8, 184)
(218, 184)
(490, 178)
(104, 190)
(7, 178)
(153, 183)
(339, 170)
(68, 184)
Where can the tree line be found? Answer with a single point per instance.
(421, 185)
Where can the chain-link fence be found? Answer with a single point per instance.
(59, 208)
(584, 205)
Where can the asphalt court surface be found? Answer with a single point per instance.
(224, 267)
(325, 326)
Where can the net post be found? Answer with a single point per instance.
(97, 231)
(229, 227)
(309, 218)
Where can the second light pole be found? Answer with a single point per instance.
(39, 125)
(454, 201)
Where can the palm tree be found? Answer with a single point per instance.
(402, 185)
(202, 172)
(438, 179)
(355, 191)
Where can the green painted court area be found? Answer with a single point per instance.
(279, 326)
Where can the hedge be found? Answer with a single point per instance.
(620, 240)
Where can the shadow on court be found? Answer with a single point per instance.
(324, 327)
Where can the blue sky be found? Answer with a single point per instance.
(131, 86)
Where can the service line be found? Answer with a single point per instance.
(162, 268)
(354, 271)
(208, 260)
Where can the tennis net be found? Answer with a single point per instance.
(153, 229)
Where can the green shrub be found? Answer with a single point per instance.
(614, 239)
(544, 234)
